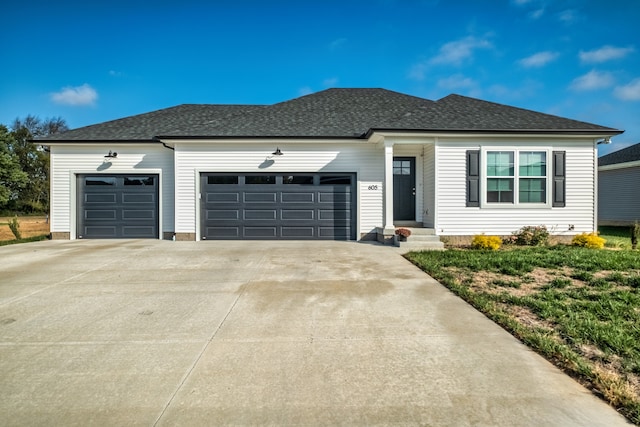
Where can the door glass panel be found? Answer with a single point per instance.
(222, 179)
(98, 180)
(298, 179)
(333, 180)
(402, 167)
(139, 180)
(260, 179)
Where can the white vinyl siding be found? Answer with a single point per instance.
(69, 160)
(618, 195)
(366, 160)
(429, 182)
(454, 218)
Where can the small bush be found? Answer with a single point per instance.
(14, 225)
(588, 240)
(530, 236)
(480, 241)
(635, 234)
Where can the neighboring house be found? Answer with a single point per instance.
(618, 184)
(338, 164)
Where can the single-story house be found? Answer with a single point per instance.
(618, 183)
(346, 164)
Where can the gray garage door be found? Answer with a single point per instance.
(117, 206)
(278, 206)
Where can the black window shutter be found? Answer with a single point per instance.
(559, 171)
(473, 178)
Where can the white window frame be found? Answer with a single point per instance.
(516, 178)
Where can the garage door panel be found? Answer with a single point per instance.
(100, 214)
(138, 214)
(298, 214)
(280, 206)
(100, 198)
(260, 232)
(138, 198)
(223, 214)
(222, 197)
(260, 197)
(305, 197)
(260, 214)
(223, 232)
(298, 232)
(117, 206)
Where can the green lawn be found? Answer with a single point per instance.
(616, 237)
(580, 308)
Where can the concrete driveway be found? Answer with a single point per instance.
(137, 332)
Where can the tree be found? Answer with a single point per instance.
(34, 159)
(12, 178)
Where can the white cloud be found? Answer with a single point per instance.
(458, 51)
(306, 90)
(537, 14)
(629, 92)
(605, 53)
(76, 96)
(337, 43)
(592, 80)
(539, 59)
(114, 73)
(331, 82)
(568, 16)
(456, 81)
(521, 2)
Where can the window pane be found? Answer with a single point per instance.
(500, 163)
(397, 171)
(98, 180)
(260, 179)
(306, 180)
(397, 163)
(500, 190)
(139, 180)
(222, 179)
(533, 163)
(331, 180)
(533, 190)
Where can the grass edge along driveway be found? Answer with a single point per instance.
(579, 308)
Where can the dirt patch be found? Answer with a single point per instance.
(29, 226)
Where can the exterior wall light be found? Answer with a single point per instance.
(277, 152)
(111, 155)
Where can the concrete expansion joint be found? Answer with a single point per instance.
(197, 360)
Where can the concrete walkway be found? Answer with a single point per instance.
(138, 332)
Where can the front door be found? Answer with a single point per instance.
(404, 188)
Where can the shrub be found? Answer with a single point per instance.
(588, 240)
(635, 234)
(531, 236)
(480, 241)
(14, 225)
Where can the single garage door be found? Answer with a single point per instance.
(278, 206)
(117, 206)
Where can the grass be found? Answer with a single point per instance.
(580, 308)
(24, 240)
(616, 237)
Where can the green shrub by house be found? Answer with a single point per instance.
(530, 236)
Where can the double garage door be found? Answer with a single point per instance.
(117, 206)
(278, 206)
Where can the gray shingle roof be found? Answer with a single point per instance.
(629, 154)
(332, 113)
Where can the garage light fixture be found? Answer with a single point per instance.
(277, 152)
(111, 155)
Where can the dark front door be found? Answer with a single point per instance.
(404, 188)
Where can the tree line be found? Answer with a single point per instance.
(24, 166)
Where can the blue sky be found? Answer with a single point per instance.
(94, 61)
